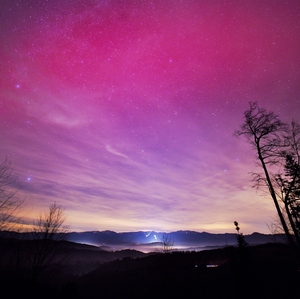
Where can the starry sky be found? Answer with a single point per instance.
(123, 111)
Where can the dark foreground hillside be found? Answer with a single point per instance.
(261, 272)
(265, 271)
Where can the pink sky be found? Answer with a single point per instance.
(124, 111)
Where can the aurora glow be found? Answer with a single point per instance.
(124, 111)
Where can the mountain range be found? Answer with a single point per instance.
(150, 241)
(183, 240)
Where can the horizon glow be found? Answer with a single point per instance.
(124, 111)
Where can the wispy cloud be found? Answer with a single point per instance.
(113, 151)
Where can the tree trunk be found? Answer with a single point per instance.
(282, 220)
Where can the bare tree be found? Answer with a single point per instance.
(277, 146)
(10, 204)
(167, 244)
(288, 183)
(49, 233)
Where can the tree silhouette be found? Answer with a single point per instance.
(289, 187)
(49, 233)
(10, 204)
(277, 146)
(240, 237)
(167, 244)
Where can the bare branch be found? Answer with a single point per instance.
(277, 146)
(10, 204)
(49, 233)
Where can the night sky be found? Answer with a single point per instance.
(124, 111)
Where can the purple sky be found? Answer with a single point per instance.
(124, 111)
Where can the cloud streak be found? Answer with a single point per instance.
(125, 114)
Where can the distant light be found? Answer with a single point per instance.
(212, 266)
